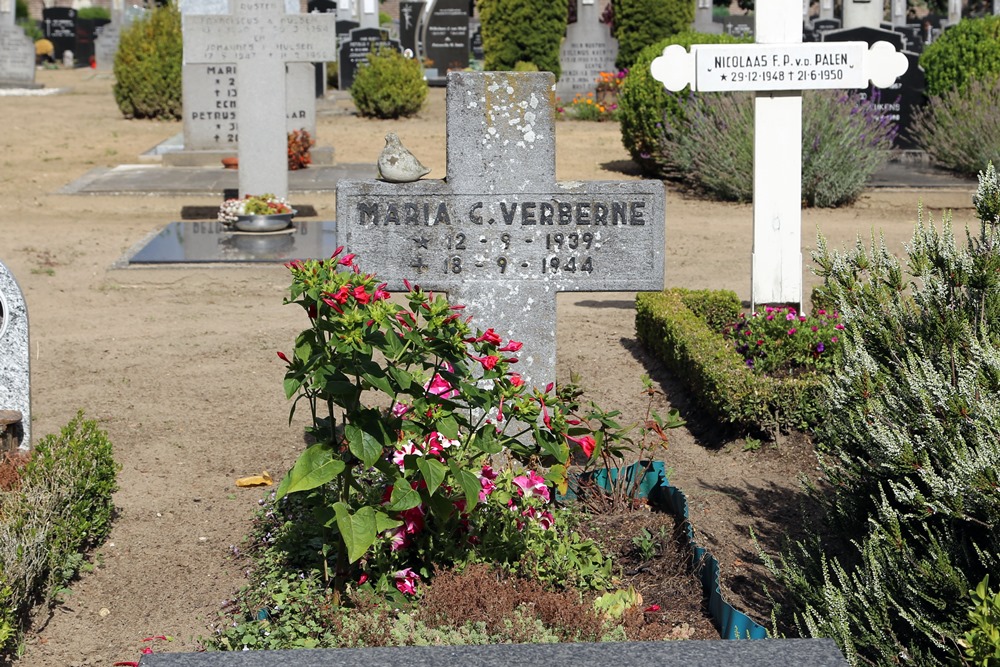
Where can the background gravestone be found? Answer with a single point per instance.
(588, 50)
(15, 376)
(321, 7)
(902, 99)
(738, 26)
(355, 51)
(17, 54)
(446, 39)
(368, 16)
(59, 27)
(409, 21)
(86, 34)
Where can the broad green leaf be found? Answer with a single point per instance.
(469, 483)
(315, 467)
(402, 378)
(403, 497)
(375, 376)
(384, 522)
(291, 386)
(557, 476)
(357, 530)
(448, 427)
(487, 441)
(433, 472)
(363, 444)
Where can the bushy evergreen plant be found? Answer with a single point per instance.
(960, 129)
(528, 31)
(966, 51)
(639, 23)
(147, 66)
(389, 85)
(912, 446)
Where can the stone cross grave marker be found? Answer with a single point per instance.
(15, 378)
(778, 67)
(261, 38)
(17, 51)
(588, 50)
(500, 234)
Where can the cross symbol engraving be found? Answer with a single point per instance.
(777, 68)
(503, 237)
(262, 39)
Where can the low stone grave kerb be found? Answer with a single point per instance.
(500, 235)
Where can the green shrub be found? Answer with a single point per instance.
(522, 30)
(90, 13)
(147, 66)
(643, 101)
(31, 29)
(960, 129)
(913, 448)
(969, 50)
(63, 507)
(389, 85)
(720, 382)
(981, 642)
(639, 23)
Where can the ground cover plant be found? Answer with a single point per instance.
(55, 505)
(429, 454)
(912, 500)
(959, 128)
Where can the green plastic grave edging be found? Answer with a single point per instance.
(731, 623)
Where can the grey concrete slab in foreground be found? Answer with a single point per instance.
(131, 179)
(731, 653)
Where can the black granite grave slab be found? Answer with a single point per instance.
(209, 242)
(732, 653)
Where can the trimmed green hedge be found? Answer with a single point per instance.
(708, 364)
(62, 508)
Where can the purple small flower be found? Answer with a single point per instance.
(820, 347)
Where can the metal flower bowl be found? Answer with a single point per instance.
(264, 223)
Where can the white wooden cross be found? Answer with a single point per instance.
(261, 38)
(777, 68)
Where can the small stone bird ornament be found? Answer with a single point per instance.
(398, 165)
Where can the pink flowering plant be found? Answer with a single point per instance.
(781, 341)
(409, 406)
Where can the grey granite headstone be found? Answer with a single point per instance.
(500, 235)
(369, 14)
(346, 10)
(703, 18)
(263, 38)
(738, 26)
(17, 56)
(15, 377)
(588, 50)
(709, 653)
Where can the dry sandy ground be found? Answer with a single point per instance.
(179, 364)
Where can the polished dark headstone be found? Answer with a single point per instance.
(211, 242)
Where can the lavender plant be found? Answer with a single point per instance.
(709, 144)
(960, 129)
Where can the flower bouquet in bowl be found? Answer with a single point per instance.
(256, 213)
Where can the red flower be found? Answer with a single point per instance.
(361, 295)
(586, 443)
(281, 355)
(512, 346)
(516, 380)
(347, 260)
(489, 362)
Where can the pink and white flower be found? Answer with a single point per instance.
(532, 484)
(406, 581)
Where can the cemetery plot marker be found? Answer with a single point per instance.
(262, 38)
(778, 67)
(17, 51)
(500, 235)
(15, 393)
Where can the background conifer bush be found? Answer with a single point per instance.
(389, 85)
(147, 66)
(639, 23)
(967, 51)
(528, 31)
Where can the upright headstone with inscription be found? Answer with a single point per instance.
(588, 50)
(262, 38)
(409, 22)
(15, 375)
(355, 51)
(369, 14)
(59, 27)
(738, 26)
(500, 234)
(321, 7)
(777, 68)
(17, 52)
(446, 38)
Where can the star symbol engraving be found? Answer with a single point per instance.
(421, 241)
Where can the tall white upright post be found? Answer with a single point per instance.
(863, 13)
(776, 275)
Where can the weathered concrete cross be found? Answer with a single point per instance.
(261, 38)
(500, 235)
(778, 67)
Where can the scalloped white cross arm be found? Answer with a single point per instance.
(788, 66)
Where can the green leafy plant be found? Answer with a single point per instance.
(61, 508)
(981, 644)
(583, 107)
(647, 545)
(389, 85)
(958, 128)
(95, 12)
(147, 66)
(780, 340)
(967, 51)
(526, 31)
(643, 101)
